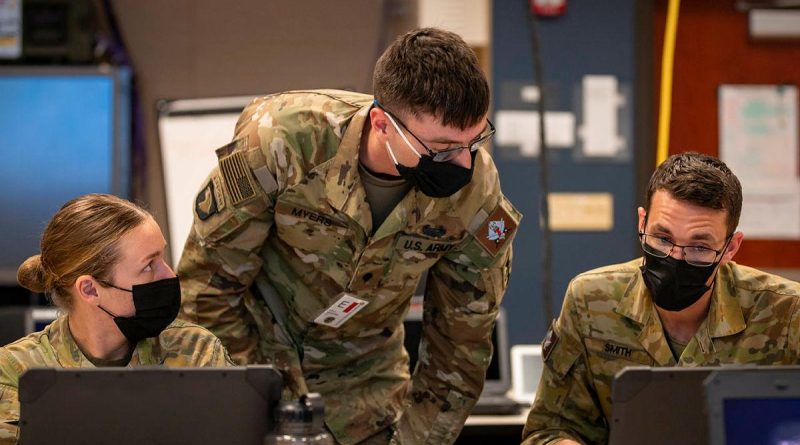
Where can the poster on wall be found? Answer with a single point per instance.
(759, 142)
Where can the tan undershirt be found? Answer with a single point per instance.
(676, 347)
(384, 192)
(101, 363)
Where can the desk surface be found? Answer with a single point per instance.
(506, 419)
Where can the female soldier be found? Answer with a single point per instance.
(102, 263)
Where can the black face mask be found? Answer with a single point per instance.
(675, 284)
(156, 303)
(437, 179)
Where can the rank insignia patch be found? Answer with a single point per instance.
(496, 231)
(205, 204)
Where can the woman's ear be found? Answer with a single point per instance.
(85, 288)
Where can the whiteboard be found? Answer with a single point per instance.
(759, 142)
(189, 131)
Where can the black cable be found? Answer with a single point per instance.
(544, 172)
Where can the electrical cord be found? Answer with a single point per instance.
(544, 173)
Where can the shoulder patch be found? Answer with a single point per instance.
(496, 230)
(205, 204)
(550, 341)
(238, 179)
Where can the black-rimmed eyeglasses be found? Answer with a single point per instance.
(695, 255)
(447, 154)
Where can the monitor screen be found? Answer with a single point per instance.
(749, 404)
(64, 132)
(772, 421)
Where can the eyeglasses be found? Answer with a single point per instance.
(695, 255)
(447, 154)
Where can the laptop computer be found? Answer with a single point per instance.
(494, 399)
(759, 405)
(134, 406)
(659, 406)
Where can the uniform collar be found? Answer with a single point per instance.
(67, 352)
(724, 317)
(636, 302)
(342, 174)
(69, 355)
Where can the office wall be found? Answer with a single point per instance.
(713, 48)
(204, 48)
(591, 38)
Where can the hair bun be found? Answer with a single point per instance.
(31, 274)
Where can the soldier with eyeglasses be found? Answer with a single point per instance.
(685, 303)
(324, 215)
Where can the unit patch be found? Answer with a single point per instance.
(550, 341)
(498, 228)
(205, 204)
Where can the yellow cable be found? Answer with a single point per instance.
(667, 59)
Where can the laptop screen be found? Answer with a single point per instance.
(497, 374)
(754, 405)
(768, 421)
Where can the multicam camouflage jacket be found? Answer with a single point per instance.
(181, 344)
(283, 246)
(608, 321)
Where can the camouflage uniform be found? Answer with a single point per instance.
(181, 344)
(286, 210)
(608, 321)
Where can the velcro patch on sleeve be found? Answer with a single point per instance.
(238, 178)
(264, 177)
(205, 204)
(550, 341)
(496, 230)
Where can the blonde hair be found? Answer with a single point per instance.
(81, 239)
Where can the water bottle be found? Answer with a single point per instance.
(300, 422)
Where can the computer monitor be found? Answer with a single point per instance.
(65, 133)
(19, 321)
(133, 406)
(760, 405)
(527, 367)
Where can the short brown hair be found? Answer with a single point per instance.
(701, 180)
(432, 71)
(81, 239)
